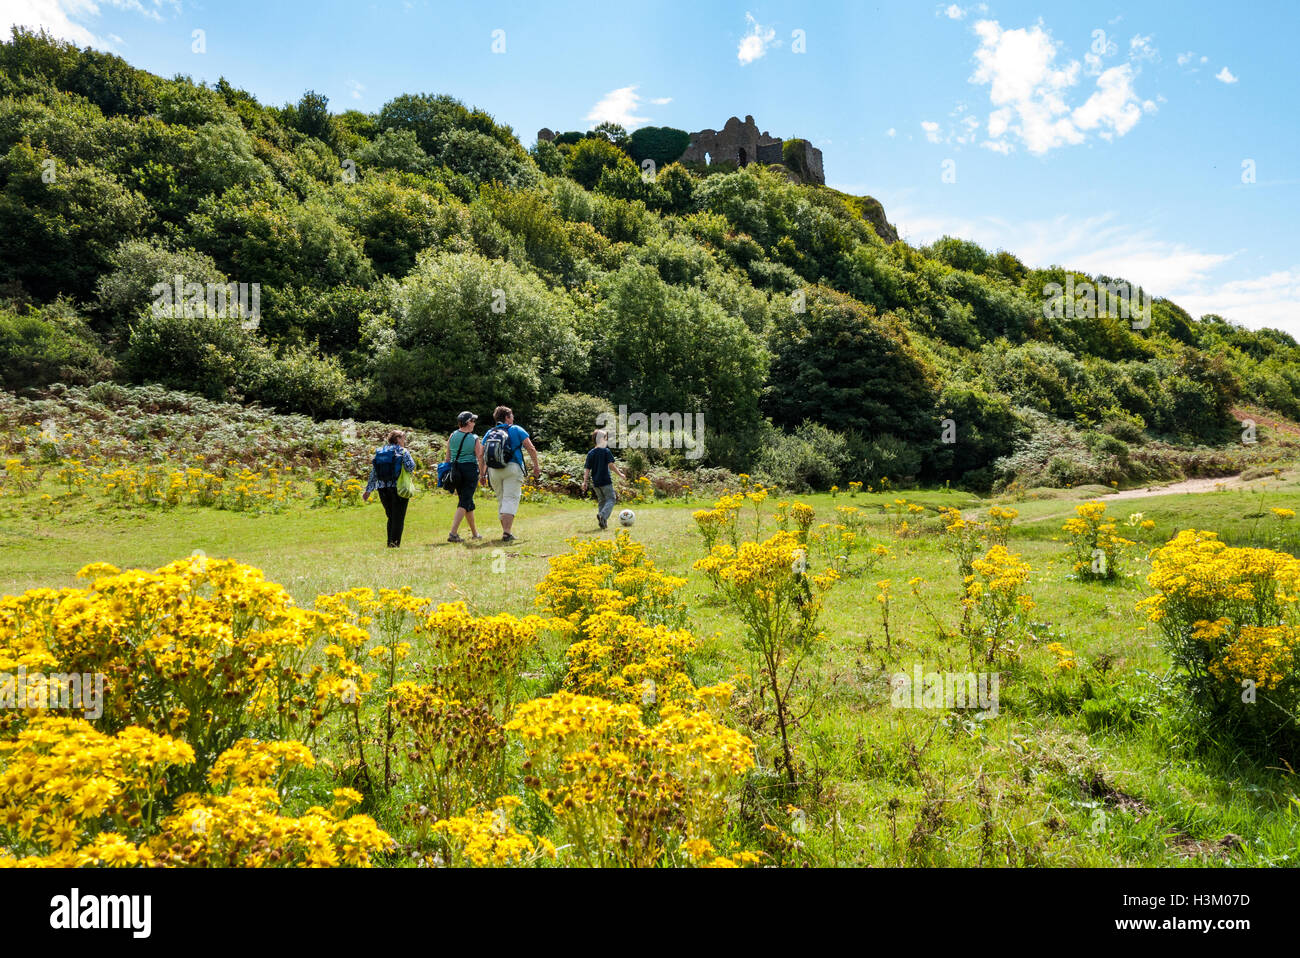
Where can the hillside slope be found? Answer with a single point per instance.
(404, 265)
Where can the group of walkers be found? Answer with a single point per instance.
(495, 459)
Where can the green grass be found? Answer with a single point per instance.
(1086, 769)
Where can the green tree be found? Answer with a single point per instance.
(663, 144)
(37, 349)
(466, 332)
(668, 349)
(590, 158)
(56, 236)
(259, 236)
(841, 363)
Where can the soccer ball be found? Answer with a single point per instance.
(626, 518)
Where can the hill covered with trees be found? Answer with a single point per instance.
(419, 260)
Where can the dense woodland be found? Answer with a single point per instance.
(420, 260)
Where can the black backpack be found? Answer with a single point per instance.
(497, 448)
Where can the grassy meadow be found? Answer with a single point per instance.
(1089, 766)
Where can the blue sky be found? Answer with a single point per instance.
(1154, 141)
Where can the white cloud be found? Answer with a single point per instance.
(1141, 48)
(891, 132)
(357, 89)
(954, 12)
(1106, 244)
(662, 100)
(1109, 244)
(1225, 76)
(619, 106)
(756, 42)
(931, 130)
(1113, 109)
(1186, 58)
(72, 20)
(1271, 300)
(1029, 90)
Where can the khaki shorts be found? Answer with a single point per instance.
(508, 484)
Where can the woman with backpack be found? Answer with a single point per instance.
(385, 469)
(465, 456)
(504, 446)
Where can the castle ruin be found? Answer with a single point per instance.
(742, 144)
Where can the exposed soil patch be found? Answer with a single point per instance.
(1177, 488)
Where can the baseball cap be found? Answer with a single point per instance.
(466, 417)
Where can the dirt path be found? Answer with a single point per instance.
(1187, 485)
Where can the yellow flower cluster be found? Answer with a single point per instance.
(1265, 655)
(779, 599)
(1230, 612)
(623, 659)
(18, 476)
(63, 784)
(902, 516)
(477, 658)
(1064, 657)
(604, 573)
(623, 792)
(204, 649)
(240, 490)
(247, 829)
(966, 538)
(1096, 547)
(73, 796)
(487, 839)
(995, 608)
(259, 764)
(720, 522)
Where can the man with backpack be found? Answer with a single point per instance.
(503, 452)
(385, 469)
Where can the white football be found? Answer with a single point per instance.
(626, 518)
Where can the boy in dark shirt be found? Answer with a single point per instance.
(600, 462)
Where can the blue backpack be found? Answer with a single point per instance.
(388, 464)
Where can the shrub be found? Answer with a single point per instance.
(394, 150)
(811, 457)
(493, 329)
(567, 420)
(1230, 619)
(883, 457)
(213, 356)
(57, 237)
(590, 158)
(839, 362)
(302, 380)
(136, 267)
(1096, 549)
(663, 144)
(36, 351)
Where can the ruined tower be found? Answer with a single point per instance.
(742, 144)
